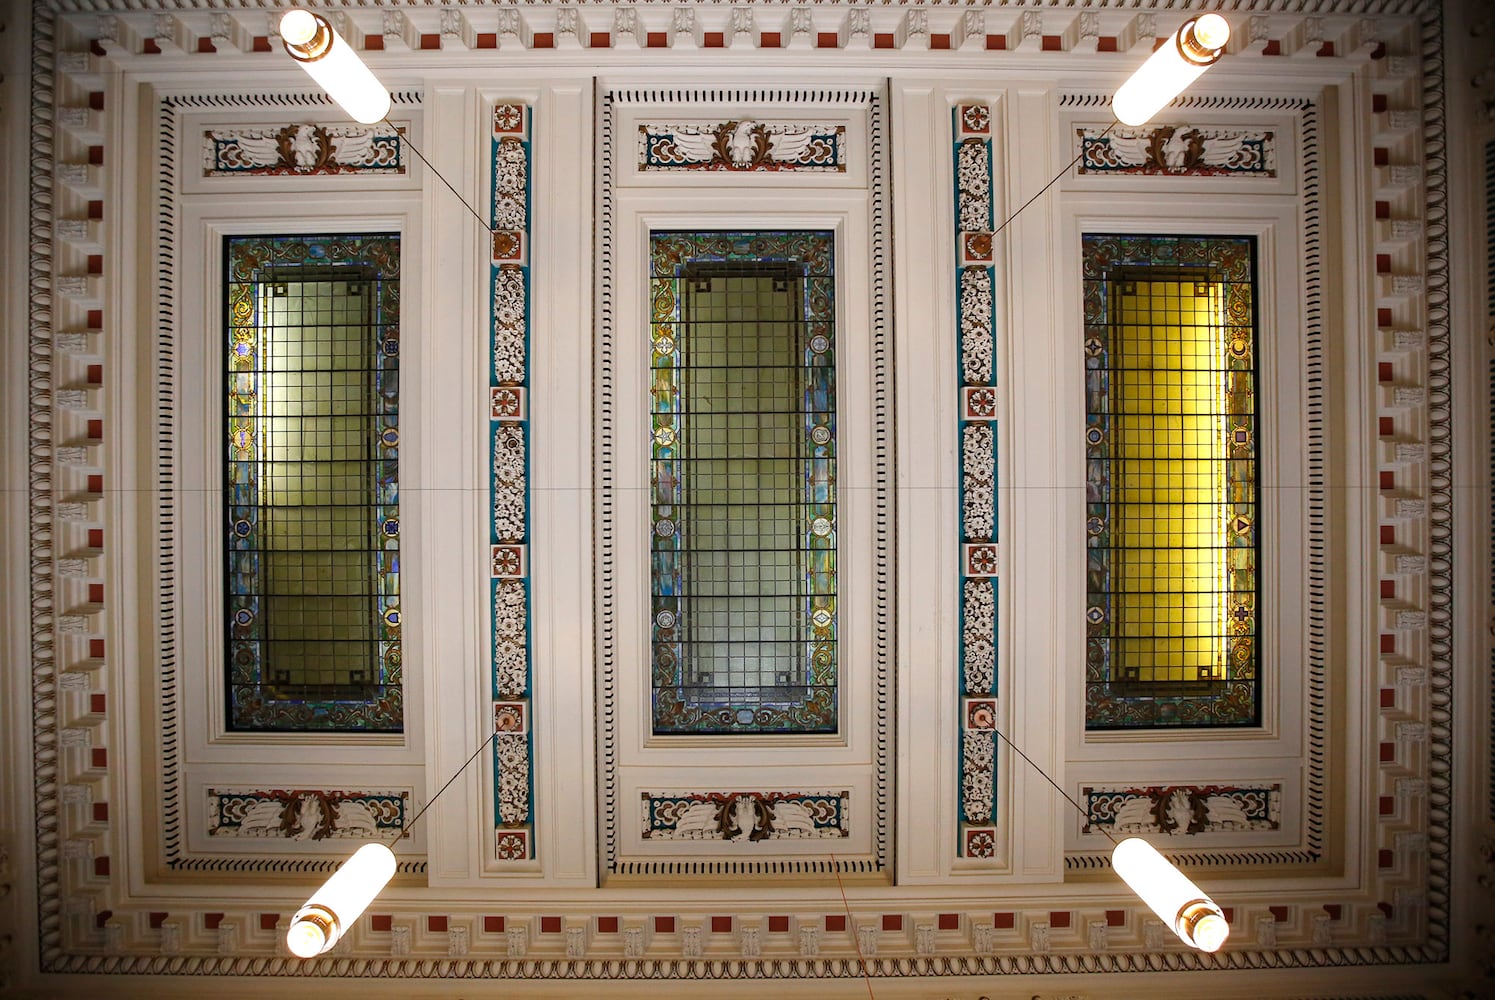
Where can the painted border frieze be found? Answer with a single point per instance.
(1181, 810)
(509, 522)
(977, 383)
(742, 144)
(745, 817)
(302, 150)
(306, 814)
(1178, 151)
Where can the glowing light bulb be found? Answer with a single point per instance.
(1194, 47)
(1180, 903)
(311, 41)
(319, 924)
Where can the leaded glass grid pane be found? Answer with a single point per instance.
(743, 479)
(1171, 482)
(311, 456)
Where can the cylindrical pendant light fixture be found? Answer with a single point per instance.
(319, 924)
(1180, 903)
(331, 61)
(1194, 48)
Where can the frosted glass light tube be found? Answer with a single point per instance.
(319, 923)
(1180, 903)
(1178, 62)
(311, 41)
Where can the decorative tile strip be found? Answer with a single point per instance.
(1178, 150)
(742, 145)
(1182, 809)
(745, 816)
(302, 150)
(509, 480)
(977, 381)
(303, 814)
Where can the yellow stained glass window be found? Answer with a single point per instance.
(1171, 482)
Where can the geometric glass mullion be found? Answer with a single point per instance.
(311, 498)
(742, 478)
(1171, 477)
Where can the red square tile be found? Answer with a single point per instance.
(601, 40)
(1388, 752)
(1384, 318)
(882, 40)
(96, 155)
(1383, 209)
(96, 319)
(95, 430)
(656, 40)
(550, 925)
(1279, 913)
(1388, 479)
(1386, 426)
(939, 41)
(95, 375)
(210, 921)
(1388, 534)
(96, 704)
(1115, 918)
(1002, 921)
(157, 918)
(1105, 43)
(95, 593)
(151, 47)
(996, 42)
(949, 922)
(1388, 697)
(95, 484)
(1229, 912)
(1052, 43)
(493, 925)
(96, 649)
(102, 917)
(268, 921)
(1272, 48)
(714, 40)
(1384, 371)
(664, 925)
(101, 812)
(381, 921)
(96, 100)
(835, 921)
(430, 41)
(261, 44)
(1326, 50)
(96, 538)
(1058, 918)
(99, 757)
(1383, 263)
(487, 39)
(892, 921)
(607, 925)
(1385, 908)
(1388, 643)
(778, 925)
(827, 40)
(721, 925)
(1385, 858)
(436, 925)
(544, 40)
(1334, 910)
(1386, 805)
(1381, 156)
(769, 40)
(373, 43)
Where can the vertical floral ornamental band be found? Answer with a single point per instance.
(509, 483)
(974, 260)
